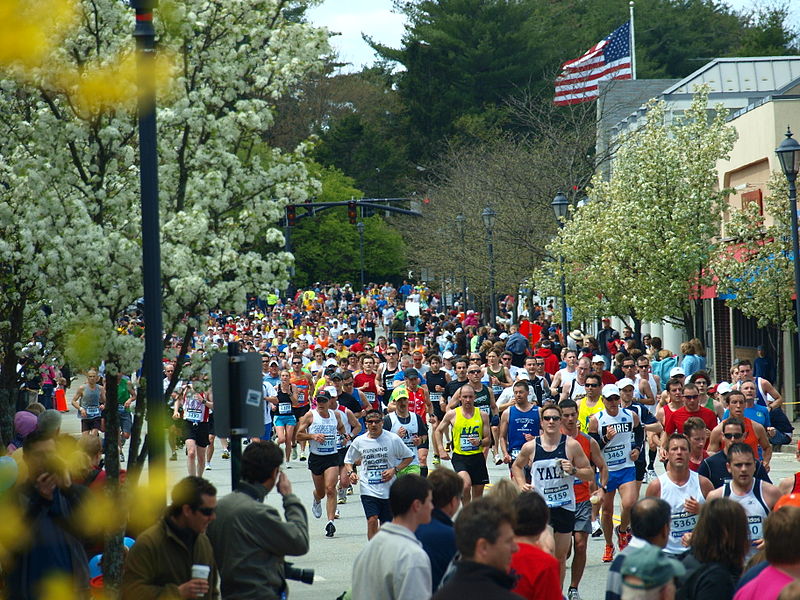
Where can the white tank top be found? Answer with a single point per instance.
(681, 521)
(754, 507)
(549, 479)
(566, 376)
(411, 428)
(653, 388)
(328, 427)
(617, 452)
(576, 390)
(348, 429)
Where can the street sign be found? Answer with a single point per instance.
(244, 413)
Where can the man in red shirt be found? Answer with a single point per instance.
(674, 421)
(551, 361)
(599, 367)
(365, 381)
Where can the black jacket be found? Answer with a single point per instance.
(706, 581)
(475, 580)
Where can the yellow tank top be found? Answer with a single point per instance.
(585, 412)
(464, 429)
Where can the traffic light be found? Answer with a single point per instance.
(351, 212)
(291, 215)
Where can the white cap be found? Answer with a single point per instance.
(459, 330)
(447, 354)
(503, 335)
(625, 382)
(523, 374)
(610, 390)
(598, 358)
(331, 362)
(723, 387)
(675, 371)
(331, 390)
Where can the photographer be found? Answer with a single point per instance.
(249, 537)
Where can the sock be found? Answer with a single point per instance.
(423, 471)
(651, 455)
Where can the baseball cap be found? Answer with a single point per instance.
(503, 335)
(447, 354)
(625, 382)
(411, 374)
(274, 362)
(598, 358)
(337, 375)
(676, 371)
(331, 391)
(330, 351)
(610, 390)
(523, 374)
(651, 567)
(723, 387)
(323, 395)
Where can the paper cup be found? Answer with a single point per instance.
(200, 571)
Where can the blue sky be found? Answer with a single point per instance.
(375, 18)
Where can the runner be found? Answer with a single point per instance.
(284, 419)
(485, 402)
(755, 435)
(649, 422)
(470, 434)
(382, 455)
(619, 433)
(715, 467)
(419, 404)
(320, 427)
(351, 429)
(520, 423)
(90, 402)
(366, 381)
(303, 383)
(555, 460)
(409, 426)
(196, 407)
(585, 499)
(592, 402)
(436, 381)
(685, 491)
(757, 497)
(565, 375)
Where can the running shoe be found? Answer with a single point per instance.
(336, 515)
(609, 554)
(597, 529)
(208, 466)
(349, 490)
(650, 475)
(436, 460)
(173, 456)
(342, 496)
(316, 508)
(226, 455)
(623, 539)
(330, 529)
(303, 455)
(572, 594)
(294, 452)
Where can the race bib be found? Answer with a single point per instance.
(497, 390)
(682, 523)
(370, 396)
(92, 411)
(466, 444)
(329, 445)
(284, 408)
(557, 496)
(615, 455)
(485, 409)
(301, 398)
(755, 526)
(195, 415)
(374, 476)
(436, 397)
(514, 453)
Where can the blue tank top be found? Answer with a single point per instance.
(520, 423)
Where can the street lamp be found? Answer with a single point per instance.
(560, 206)
(360, 227)
(789, 156)
(489, 216)
(461, 228)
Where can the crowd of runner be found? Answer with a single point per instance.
(368, 389)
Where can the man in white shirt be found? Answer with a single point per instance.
(393, 565)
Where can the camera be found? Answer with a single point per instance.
(295, 574)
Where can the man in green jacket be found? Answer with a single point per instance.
(249, 537)
(160, 564)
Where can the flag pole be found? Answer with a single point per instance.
(633, 43)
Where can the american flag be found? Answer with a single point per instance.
(608, 59)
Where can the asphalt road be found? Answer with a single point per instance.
(332, 558)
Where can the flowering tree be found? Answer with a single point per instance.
(641, 247)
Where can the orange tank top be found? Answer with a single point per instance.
(581, 487)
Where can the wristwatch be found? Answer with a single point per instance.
(604, 488)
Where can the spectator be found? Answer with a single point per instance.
(719, 544)
(393, 565)
(537, 572)
(648, 575)
(605, 340)
(255, 569)
(485, 539)
(25, 423)
(782, 554)
(518, 345)
(438, 537)
(159, 565)
(650, 525)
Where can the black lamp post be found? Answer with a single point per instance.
(560, 206)
(360, 227)
(461, 228)
(144, 33)
(789, 156)
(489, 216)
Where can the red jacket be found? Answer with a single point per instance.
(551, 362)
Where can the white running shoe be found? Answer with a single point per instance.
(316, 508)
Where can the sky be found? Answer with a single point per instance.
(375, 18)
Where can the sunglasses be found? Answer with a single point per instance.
(207, 510)
(591, 385)
(297, 362)
(373, 422)
(473, 372)
(691, 397)
(391, 354)
(551, 418)
(733, 436)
